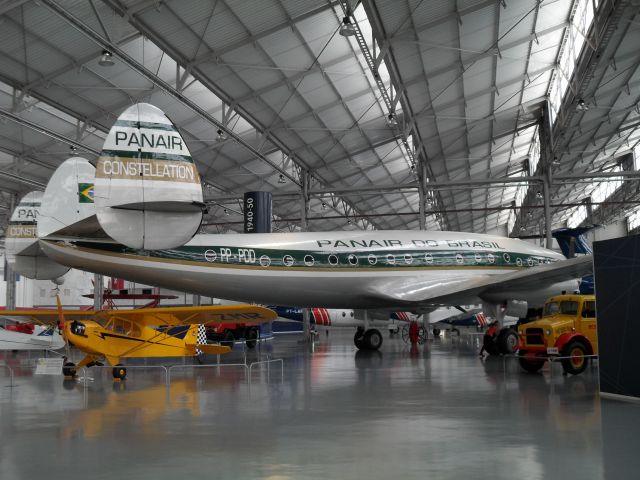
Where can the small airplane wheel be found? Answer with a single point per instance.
(228, 339)
(405, 333)
(251, 337)
(422, 335)
(68, 370)
(119, 372)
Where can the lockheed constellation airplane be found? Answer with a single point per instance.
(147, 203)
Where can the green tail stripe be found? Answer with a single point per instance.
(146, 155)
(150, 125)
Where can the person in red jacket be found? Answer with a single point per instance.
(491, 333)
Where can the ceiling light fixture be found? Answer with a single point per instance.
(392, 120)
(226, 212)
(106, 60)
(324, 206)
(539, 195)
(556, 161)
(73, 148)
(582, 106)
(281, 178)
(347, 29)
(221, 135)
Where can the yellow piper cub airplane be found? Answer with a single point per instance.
(146, 332)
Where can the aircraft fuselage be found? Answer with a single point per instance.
(327, 269)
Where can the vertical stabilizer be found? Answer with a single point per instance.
(22, 249)
(572, 240)
(147, 188)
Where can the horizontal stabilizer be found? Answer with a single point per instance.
(213, 349)
(67, 204)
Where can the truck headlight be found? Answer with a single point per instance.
(547, 332)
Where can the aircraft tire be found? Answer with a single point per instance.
(119, 372)
(358, 338)
(575, 365)
(436, 332)
(507, 341)
(68, 370)
(372, 339)
(529, 364)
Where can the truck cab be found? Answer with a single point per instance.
(567, 329)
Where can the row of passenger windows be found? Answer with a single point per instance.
(407, 259)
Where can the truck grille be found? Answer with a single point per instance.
(534, 336)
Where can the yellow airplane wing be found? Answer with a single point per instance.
(149, 317)
(45, 316)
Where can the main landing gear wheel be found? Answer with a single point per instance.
(251, 337)
(358, 338)
(507, 341)
(578, 362)
(119, 372)
(367, 340)
(68, 370)
(530, 364)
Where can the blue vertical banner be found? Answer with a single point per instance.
(257, 212)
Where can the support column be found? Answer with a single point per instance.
(195, 300)
(422, 190)
(546, 196)
(306, 324)
(304, 205)
(98, 291)
(9, 274)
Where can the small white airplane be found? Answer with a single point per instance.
(140, 220)
(27, 336)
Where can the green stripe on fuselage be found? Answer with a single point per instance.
(369, 259)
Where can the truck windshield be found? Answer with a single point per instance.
(551, 308)
(565, 308)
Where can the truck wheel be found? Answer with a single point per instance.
(251, 337)
(576, 349)
(228, 339)
(531, 365)
(507, 341)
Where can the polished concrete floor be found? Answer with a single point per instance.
(324, 412)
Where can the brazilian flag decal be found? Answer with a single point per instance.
(85, 192)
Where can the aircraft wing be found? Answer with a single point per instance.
(46, 317)
(192, 315)
(466, 291)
